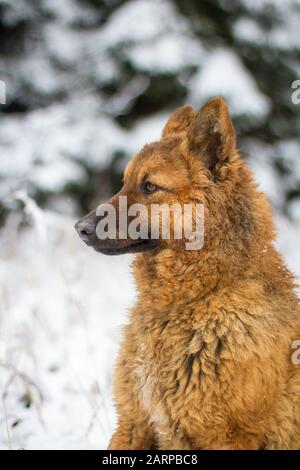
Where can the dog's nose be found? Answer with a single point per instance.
(85, 229)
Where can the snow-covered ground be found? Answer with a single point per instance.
(62, 307)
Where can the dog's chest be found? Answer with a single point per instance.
(151, 392)
(179, 377)
(168, 378)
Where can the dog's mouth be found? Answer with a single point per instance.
(136, 246)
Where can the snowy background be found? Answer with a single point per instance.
(88, 83)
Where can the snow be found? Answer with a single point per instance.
(284, 36)
(170, 54)
(222, 73)
(261, 163)
(18, 10)
(51, 142)
(50, 148)
(79, 129)
(69, 11)
(60, 326)
(248, 30)
(260, 5)
(294, 210)
(143, 20)
(145, 131)
(289, 150)
(62, 310)
(288, 233)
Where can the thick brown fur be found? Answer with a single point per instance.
(205, 362)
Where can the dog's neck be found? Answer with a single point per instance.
(177, 278)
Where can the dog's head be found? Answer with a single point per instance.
(194, 155)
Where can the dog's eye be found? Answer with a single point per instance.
(150, 188)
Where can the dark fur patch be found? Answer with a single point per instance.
(219, 347)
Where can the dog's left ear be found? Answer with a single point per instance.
(212, 136)
(179, 121)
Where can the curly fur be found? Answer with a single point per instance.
(205, 362)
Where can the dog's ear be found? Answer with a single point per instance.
(179, 121)
(212, 136)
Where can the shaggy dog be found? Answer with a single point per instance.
(206, 359)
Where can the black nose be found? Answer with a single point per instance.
(86, 229)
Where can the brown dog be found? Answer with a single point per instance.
(206, 359)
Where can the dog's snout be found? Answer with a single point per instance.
(86, 229)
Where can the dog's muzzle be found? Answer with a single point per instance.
(87, 231)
